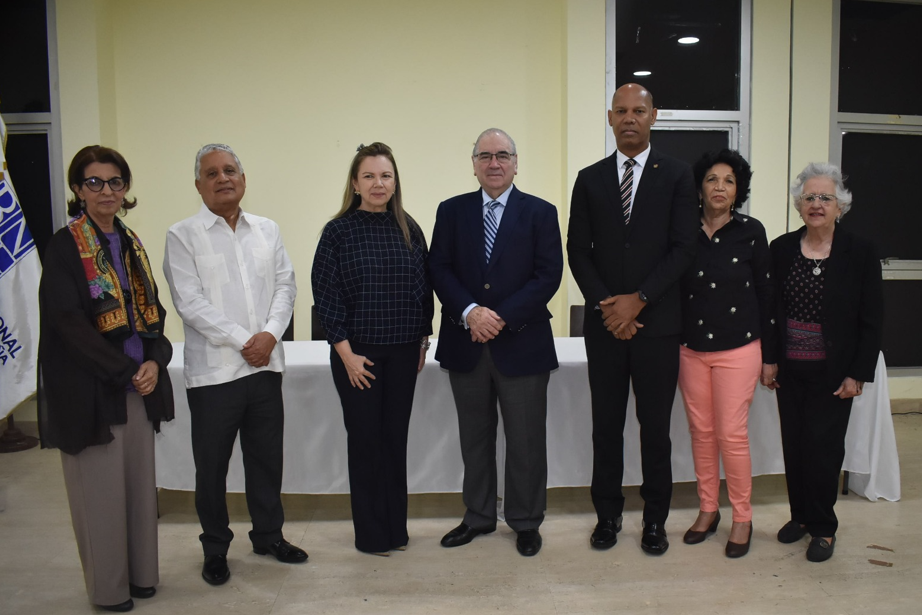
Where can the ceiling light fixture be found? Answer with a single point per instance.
(642, 73)
(688, 40)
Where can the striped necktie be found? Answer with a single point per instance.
(490, 227)
(627, 188)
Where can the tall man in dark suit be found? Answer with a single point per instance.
(496, 260)
(633, 223)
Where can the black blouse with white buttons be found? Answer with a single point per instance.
(728, 293)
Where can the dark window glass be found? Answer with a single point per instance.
(887, 206)
(688, 145)
(879, 58)
(24, 84)
(902, 325)
(27, 161)
(703, 76)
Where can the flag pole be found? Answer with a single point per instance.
(13, 440)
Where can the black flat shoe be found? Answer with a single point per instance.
(463, 534)
(141, 592)
(284, 552)
(215, 570)
(605, 534)
(528, 542)
(791, 532)
(121, 607)
(693, 537)
(735, 549)
(820, 549)
(653, 540)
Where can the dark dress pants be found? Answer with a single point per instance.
(523, 402)
(253, 407)
(377, 421)
(813, 427)
(652, 365)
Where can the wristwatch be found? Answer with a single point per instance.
(643, 296)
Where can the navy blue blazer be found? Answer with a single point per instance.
(523, 274)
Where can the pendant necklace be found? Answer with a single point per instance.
(816, 265)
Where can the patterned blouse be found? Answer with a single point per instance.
(368, 286)
(803, 305)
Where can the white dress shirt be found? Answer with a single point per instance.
(640, 161)
(498, 213)
(228, 286)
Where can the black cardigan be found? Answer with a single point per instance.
(81, 375)
(853, 305)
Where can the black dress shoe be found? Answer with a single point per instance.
(820, 549)
(736, 549)
(528, 542)
(605, 534)
(693, 537)
(121, 607)
(284, 552)
(653, 540)
(463, 534)
(141, 592)
(215, 570)
(791, 532)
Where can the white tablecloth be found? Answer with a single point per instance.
(315, 439)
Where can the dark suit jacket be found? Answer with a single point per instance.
(610, 258)
(524, 272)
(853, 305)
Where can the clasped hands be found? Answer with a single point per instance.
(258, 349)
(849, 387)
(146, 379)
(484, 324)
(619, 313)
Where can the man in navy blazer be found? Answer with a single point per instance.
(496, 261)
(633, 224)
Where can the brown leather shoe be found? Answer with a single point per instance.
(735, 549)
(693, 537)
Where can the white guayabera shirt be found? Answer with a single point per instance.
(228, 286)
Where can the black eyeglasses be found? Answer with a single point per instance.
(501, 157)
(116, 184)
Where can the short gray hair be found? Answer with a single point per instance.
(823, 169)
(496, 131)
(214, 147)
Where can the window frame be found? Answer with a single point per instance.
(737, 122)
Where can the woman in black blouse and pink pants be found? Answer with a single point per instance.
(728, 343)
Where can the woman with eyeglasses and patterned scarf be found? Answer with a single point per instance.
(830, 315)
(103, 381)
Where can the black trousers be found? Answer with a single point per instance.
(252, 406)
(377, 421)
(813, 427)
(652, 365)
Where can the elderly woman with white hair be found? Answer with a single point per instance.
(830, 312)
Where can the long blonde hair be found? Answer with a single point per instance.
(351, 200)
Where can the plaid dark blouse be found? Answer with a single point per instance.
(368, 286)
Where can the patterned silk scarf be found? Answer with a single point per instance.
(108, 296)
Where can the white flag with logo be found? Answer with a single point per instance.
(20, 271)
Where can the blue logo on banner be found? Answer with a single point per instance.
(15, 238)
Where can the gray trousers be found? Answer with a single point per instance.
(523, 403)
(112, 493)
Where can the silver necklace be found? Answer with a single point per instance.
(816, 265)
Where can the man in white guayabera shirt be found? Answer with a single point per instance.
(234, 288)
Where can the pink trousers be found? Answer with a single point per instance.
(717, 388)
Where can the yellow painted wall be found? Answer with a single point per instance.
(294, 86)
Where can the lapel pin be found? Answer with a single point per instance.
(656, 166)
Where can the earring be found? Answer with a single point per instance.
(357, 193)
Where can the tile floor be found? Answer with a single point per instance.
(40, 570)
